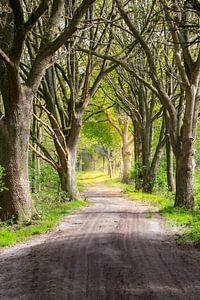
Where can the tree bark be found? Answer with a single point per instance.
(72, 144)
(67, 170)
(16, 201)
(126, 151)
(185, 166)
(35, 160)
(63, 179)
(148, 181)
(170, 168)
(152, 167)
(111, 161)
(126, 157)
(110, 168)
(103, 166)
(137, 156)
(123, 129)
(71, 186)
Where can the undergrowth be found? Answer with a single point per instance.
(96, 178)
(50, 209)
(187, 220)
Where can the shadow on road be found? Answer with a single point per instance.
(97, 266)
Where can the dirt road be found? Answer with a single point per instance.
(114, 249)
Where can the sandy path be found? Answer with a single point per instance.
(111, 250)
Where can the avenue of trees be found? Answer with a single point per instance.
(87, 81)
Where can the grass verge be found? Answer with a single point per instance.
(96, 178)
(187, 221)
(50, 211)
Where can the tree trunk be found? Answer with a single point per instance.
(170, 168)
(146, 156)
(71, 186)
(15, 201)
(148, 182)
(110, 168)
(63, 180)
(137, 156)
(185, 167)
(151, 171)
(35, 160)
(185, 162)
(104, 164)
(126, 151)
(126, 158)
(72, 145)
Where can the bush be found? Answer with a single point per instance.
(47, 178)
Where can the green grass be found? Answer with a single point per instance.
(50, 210)
(187, 221)
(96, 178)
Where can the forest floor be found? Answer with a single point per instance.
(114, 249)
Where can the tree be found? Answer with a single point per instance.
(121, 122)
(187, 60)
(141, 106)
(68, 88)
(18, 97)
(103, 137)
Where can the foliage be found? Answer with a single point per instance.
(48, 177)
(187, 221)
(101, 133)
(161, 177)
(97, 177)
(49, 209)
(128, 74)
(100, 140)
(197, 186)
(160, 183)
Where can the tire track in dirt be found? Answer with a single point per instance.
(152, 277)
(140, 287)
(175, 276)
(161, 282)
(79, 261)
(73, 259)
(111, 250)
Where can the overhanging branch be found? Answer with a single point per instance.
(6, 58)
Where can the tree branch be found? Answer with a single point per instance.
(51, 162)
(111, 121)
(98, 112)
(45, 54)
(19, 32)
(163, 96)
(5, 58)
(52, 133)
(36, 14)
(176, 35)
(122, 63)
(70, 30)
(100, 76)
